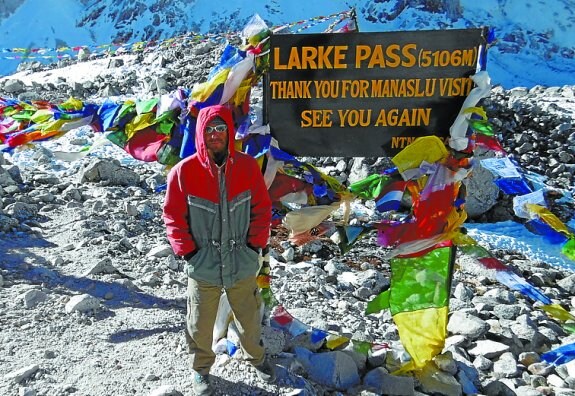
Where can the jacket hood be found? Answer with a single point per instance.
(206, 115)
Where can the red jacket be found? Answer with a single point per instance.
(193, 214)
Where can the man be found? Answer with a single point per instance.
(217, 214)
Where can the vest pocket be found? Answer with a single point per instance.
(246, 262)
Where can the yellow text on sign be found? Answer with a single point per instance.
(316, 118)
(363, 118)
(321, 57)
(390, 88)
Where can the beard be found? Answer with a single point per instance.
(220, 157)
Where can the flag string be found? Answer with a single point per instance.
(19, 53)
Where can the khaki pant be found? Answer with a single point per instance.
(203, 301)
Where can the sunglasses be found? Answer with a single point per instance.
(217, 128)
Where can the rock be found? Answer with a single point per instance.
(505, 311)
(7, 223)
(5, 178)
(528, 358)
(498, 388)
(359, 170)
(102, 267)
(527, 391)
(467, 325)
(150, 279)
(68, 247)
(14, 86)
(555, 381)
(22, 210)
(445, 362)
(482, 192)
(563, 392)
(333, 369)
(26, 391)
(82, 303)
(568, 284)
(172, 263)
(45, 178)
(540, 368)
(570, 382)
(463, 292)
(505, 366)
(33, 297)
(383, 383)
(288, 254)
(165, 390)
(21, 374)
(482, 363)
(488, 349)
(526, 330)
(130, 209)
(434, 381)
(359, 358)
(160, 251)
(570, 367)
(109, 171)
(274, 340)
(83, 54)
(142, 247)
(501, 296)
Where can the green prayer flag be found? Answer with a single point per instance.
(165, 127)
(146, 106)
(370, 187)
(119, 138)
(420, 282)
(23, 115)
(361, 347)
(126, 109)
(570, 327)
(379, 303)
(481, 126)
(168, 155)
(568, 249)
(475, 251)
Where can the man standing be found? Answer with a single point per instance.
(217, 214)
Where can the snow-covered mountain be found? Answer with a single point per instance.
(535, 38)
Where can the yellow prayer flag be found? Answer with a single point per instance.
(549, 218)
(427, 148)
(138, 123)
(558, 312)
(333, 341)
(422, 334)
(203, 91)
(72, 104)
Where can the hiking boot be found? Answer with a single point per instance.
(266, 371)
(201, 385)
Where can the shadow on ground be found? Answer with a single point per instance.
(18, 255)
(133, 334)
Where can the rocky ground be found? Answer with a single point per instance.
(92, 300)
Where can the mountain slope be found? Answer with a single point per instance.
(533, 33)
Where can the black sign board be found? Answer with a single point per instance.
(368, 94)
